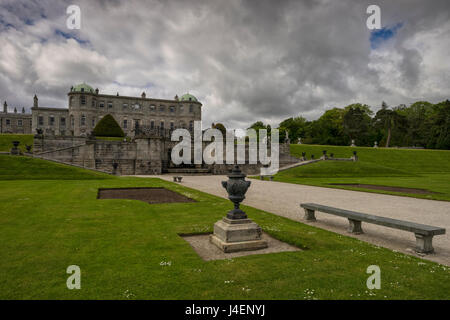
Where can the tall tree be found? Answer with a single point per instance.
(388, 119)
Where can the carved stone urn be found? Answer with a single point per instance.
(14, 149)
(236, 187)
(236, 232)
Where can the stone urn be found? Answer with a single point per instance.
(236, 187)
(236, 232)
(14, 149)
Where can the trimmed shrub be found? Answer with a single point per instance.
(108, 127)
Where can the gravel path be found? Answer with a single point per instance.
(284, 198)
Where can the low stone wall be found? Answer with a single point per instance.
(46, 143)
(144, 156)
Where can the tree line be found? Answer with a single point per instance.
(422, 125)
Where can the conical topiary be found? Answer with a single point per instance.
(108, 127)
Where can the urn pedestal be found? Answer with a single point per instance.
(237, 235)
(236, 232)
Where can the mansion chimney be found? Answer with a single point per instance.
(35, 102)
(5, 107)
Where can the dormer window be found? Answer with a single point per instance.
(82, 89)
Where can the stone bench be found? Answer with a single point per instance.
(261, 177)
(177, 178)
(424, 233)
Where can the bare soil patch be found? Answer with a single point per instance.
(149, 195)
(385, 188)
(208, 251)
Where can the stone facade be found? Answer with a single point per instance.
(141, 156)
(87, 106)
(15, 122)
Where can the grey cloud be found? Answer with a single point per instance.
(245, 60)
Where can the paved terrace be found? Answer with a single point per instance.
(284, 198)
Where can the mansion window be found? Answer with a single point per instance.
(93, 122)
(191, 108)
(152, 108)
(172, 109)
(110, 105)
(72, 121)
(83, 120)
(102, 104)
(51, 120)
(162, 108)
(191, 125)
(83, 99)
(19, 122)
(125, 106)
(93, 102)
(8, 122)
(171, 125)
(62, 121)
(152, 124)
(181, 109)
(162, 125)
(41, 120)
(125, 123)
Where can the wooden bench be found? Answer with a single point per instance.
(424, 233)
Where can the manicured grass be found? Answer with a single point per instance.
(27, 168)
(422, 169)
(7, 139)
(128, 249)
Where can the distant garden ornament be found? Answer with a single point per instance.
(353, 143)
(375, 145)
(299, 140)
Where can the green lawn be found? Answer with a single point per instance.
(7, 139)
(422, 169)
(20, 167)
(128, 249)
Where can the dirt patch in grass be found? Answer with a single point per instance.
(385, 188)
(149, 195)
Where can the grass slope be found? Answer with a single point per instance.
(7, 139)
(26, 168)
(128, 249)
(423, 169)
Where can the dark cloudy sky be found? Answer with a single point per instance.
(244, 60)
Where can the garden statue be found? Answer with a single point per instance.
(236, 232)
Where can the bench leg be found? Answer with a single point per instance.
(309, 215)
(424, 243)
(355, 226)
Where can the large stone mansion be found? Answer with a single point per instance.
(87, 106)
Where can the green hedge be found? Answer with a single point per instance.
(108, 127)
